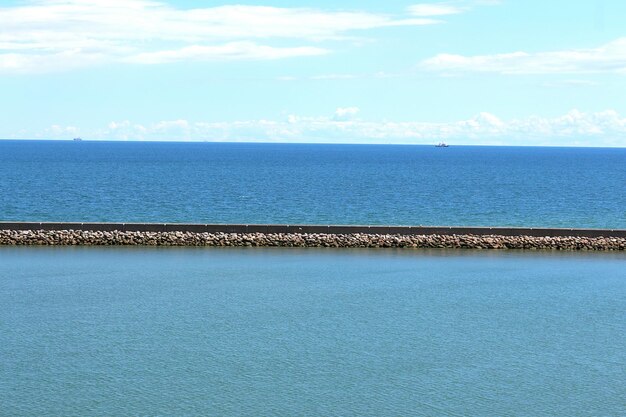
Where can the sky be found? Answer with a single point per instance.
(467, 72)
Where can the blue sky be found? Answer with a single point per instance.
(510, 72)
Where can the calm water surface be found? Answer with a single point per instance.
(139, 331)
(317, 184)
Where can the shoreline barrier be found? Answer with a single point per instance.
(313, 229)
(168, 234)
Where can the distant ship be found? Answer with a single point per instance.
(441, 145)
(78, 139)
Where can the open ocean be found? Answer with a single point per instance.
(107, 331)
(312, 184)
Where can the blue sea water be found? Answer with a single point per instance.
(208, 331)
(316, 184)
(256, 332)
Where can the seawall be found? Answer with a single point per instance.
(171, 234)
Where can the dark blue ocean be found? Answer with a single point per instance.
(315, 184)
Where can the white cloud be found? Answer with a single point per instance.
(345, 76)
(570, 83)
(488, 2)
(335, 77)
(229, 51)
(345, 113)
(434, 9)
(55, 131)
(53, 35)
(429, 10)
(575, 128)
(56, 61)
(608, 58)
(119, 125)
(172, 124)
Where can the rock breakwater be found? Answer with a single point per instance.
(353, 240)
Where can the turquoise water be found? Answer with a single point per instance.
(148, 331)
(312, 184)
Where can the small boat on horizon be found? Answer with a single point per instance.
(442, 145)
(78, 139)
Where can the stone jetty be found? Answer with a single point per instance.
(316, 240)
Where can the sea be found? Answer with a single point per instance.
(312, 184)
(117, 331)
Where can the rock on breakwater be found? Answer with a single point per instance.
(352, 240)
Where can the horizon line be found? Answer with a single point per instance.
(433, 144)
